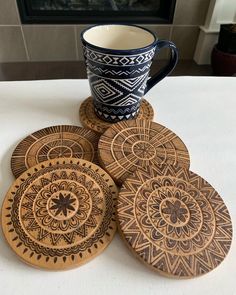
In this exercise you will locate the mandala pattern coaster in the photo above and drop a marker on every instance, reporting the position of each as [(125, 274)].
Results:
[(90, 120), (128, 145), (63, 141), (174, 221), (61, 213)]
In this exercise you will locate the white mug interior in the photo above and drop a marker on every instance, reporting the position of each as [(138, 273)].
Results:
[(120, 37)]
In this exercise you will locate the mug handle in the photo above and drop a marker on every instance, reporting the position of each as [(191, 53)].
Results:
[(168, 68)]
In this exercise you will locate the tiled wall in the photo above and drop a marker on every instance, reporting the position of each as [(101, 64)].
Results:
[(62, 42)]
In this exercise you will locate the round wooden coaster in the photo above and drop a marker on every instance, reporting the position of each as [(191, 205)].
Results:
[(127, 145), (174, 221), (60, 213), (89, 119), (54, 142)]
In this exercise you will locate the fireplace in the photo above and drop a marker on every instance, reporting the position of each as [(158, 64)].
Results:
[(96, 11)]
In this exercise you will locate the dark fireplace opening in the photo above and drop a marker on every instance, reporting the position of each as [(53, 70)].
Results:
[(96, 11)]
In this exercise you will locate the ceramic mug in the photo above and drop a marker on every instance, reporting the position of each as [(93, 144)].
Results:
[(118, 60)]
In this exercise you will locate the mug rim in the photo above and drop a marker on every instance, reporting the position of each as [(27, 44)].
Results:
[(118, 50)]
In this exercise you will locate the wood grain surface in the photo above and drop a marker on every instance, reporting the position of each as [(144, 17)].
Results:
[(127, 145), (54, 142), (174, 221), (60, 213)]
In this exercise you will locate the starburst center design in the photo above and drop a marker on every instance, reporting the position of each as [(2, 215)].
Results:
[(63, 204), (144, 150), (59, 151), (175, 211)]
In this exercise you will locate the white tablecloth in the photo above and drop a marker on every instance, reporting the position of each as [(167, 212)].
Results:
[(201, 110)]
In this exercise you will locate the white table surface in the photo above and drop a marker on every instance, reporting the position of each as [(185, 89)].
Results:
[(201, 110)]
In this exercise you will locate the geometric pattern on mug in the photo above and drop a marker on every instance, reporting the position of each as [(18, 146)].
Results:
[(118, 91), (104, 91), (120, 117), (131, 84), (128, 100), (130, 109), (143, 87), (119, 60), (118, 72), (128, 84)]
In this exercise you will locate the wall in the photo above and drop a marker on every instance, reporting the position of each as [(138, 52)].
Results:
[(219, 12), (62, 42)]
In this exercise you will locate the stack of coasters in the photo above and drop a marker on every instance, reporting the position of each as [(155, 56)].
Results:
[(63, 208), (171, 218), (60, 211)]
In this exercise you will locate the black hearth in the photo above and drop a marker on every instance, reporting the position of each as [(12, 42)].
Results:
[(96, 11)]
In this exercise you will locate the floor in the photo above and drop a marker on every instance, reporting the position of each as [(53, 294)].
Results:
[(76, 70)]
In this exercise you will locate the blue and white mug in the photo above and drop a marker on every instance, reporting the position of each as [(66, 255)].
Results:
[(118, 59)]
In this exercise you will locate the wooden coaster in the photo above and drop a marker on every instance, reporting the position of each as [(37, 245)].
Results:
[(54, 142), (174, 221), (89, 119), (127, 145), (60, 213)]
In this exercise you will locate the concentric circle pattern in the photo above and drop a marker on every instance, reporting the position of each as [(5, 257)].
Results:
[(60, 213), (174, 221), (63, 141), (129, 145), (90, 120)]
